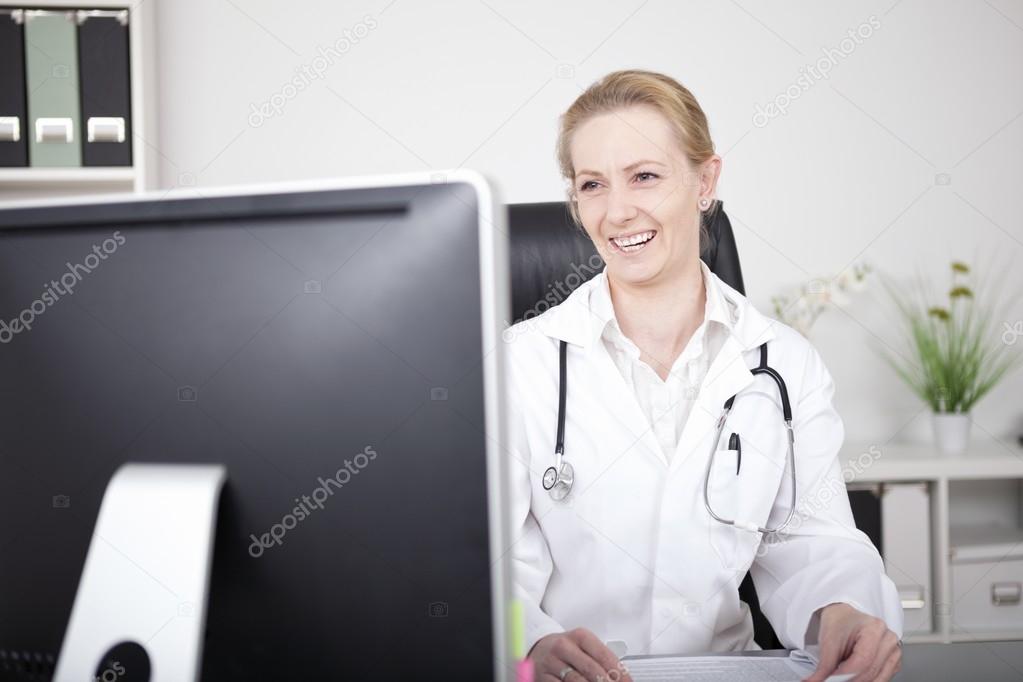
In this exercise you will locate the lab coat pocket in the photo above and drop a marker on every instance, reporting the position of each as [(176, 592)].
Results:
[(722, 497), (743, 495)]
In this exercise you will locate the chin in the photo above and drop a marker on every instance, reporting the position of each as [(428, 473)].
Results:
[(637, 272)]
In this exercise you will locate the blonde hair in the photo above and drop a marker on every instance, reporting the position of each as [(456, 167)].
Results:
[(622, 89)]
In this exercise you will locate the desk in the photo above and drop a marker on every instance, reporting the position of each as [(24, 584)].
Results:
[(962, 661)]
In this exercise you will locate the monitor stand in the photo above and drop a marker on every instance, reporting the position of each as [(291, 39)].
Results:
[(146, 576)]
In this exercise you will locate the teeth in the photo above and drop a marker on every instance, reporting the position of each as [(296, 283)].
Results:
[(634, 239)]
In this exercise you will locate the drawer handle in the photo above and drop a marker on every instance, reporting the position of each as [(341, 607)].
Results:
[(912, 596), (59, 130), (10, 129), (1006, 594)]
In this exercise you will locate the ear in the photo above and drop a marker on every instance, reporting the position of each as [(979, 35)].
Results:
[(710, 171)]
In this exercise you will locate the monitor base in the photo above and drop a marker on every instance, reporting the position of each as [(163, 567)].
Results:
[(146, 576)]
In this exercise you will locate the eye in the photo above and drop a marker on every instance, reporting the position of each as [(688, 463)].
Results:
[(641, 174), (586, 185)]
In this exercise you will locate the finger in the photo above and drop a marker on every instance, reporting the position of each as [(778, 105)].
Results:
[(888, 643), (597, 650), (863, 654), (568, 651), (552, 666), (891, 666), (830, 655)]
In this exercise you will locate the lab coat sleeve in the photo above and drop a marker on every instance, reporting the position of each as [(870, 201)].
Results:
[(821, 557), (532, 564)]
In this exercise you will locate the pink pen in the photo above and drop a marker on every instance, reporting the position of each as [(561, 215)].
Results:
[(524, 670)]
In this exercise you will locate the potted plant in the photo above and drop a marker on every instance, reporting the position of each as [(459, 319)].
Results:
[(956, 354)]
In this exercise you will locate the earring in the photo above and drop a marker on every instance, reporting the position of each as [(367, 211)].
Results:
[(704, 203)]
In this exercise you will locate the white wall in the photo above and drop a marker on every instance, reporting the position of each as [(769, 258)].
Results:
[(849, 172)]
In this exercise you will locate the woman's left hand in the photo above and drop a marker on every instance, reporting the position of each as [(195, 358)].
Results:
[(853, 642)]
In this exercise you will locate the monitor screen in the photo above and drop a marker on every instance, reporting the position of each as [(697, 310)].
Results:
[(326, 346)]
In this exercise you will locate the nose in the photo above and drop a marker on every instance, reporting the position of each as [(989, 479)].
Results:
[(620, 207)]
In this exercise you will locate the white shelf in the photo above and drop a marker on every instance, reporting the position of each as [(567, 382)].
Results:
[(920, 462), (19, 178), (980, 543)]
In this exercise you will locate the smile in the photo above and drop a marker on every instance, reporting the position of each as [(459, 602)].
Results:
[(633, 243)]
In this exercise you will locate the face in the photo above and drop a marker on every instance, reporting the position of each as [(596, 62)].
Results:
[(638, 195)]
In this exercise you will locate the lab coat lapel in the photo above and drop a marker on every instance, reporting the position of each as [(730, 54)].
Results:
[(729, 374)]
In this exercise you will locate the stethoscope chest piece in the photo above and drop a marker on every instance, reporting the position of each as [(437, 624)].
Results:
[(558, 479)]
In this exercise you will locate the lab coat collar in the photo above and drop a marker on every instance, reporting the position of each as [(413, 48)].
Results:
[(580, 319), (715, 310), (576, 322)]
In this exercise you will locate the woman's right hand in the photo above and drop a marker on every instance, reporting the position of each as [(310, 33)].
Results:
[(582, 651)]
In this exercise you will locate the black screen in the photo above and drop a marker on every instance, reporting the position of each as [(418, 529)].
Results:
[(290, 337)]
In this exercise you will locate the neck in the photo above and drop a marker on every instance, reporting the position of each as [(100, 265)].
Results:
[(661, 318)]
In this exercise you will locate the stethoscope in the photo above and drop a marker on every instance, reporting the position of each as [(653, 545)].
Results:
[(558, 479)]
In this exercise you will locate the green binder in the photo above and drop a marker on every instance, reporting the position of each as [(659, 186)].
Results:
[(51, 68)]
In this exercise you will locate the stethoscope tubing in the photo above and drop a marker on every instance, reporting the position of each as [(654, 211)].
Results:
[(558, 479)]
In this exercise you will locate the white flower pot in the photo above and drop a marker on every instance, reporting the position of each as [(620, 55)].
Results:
[(951, 431)]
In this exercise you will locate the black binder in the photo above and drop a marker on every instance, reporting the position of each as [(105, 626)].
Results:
[(104, 70), (12, 88)]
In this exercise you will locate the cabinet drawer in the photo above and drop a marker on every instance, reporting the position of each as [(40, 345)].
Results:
[(987, 595)]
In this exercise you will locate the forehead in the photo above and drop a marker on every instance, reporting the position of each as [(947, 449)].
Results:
[(612, 140)]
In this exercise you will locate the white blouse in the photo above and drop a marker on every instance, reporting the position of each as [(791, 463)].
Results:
[(666, 403)]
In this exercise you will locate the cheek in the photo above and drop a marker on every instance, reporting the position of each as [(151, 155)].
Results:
[(676, 220), (591, 212)]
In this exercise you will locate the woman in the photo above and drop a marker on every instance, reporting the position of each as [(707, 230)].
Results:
[(655, 345)]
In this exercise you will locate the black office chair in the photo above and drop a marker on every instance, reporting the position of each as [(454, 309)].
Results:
[(546, 246)]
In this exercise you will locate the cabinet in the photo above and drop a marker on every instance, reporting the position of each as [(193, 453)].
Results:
[(28, 182), (973, 542)]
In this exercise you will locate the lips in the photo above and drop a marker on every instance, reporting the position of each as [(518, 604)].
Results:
[(633, 242)]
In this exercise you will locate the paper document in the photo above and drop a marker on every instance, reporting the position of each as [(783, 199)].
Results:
[(798, 665)]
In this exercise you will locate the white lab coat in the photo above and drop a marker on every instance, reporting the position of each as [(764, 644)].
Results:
[(632, 554)]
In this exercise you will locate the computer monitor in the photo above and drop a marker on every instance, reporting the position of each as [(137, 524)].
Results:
[(335, 345)]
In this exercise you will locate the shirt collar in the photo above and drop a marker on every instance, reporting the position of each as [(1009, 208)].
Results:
[(602, 309)]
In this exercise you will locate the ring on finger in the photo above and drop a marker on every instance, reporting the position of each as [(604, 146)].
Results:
[(564, 672)]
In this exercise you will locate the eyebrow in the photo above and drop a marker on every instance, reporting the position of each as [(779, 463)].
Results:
[(628, 168)]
